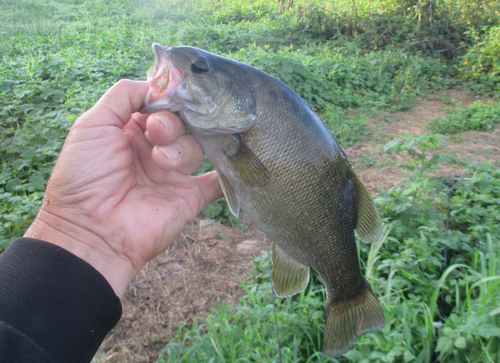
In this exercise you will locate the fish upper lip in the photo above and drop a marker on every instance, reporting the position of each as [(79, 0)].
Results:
[(156, 47), (164, 77)]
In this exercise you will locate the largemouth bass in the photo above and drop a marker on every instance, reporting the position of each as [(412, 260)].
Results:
[(278, 162)]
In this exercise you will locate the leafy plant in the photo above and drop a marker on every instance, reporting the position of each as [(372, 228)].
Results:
[(348, 127), (219, 210), (418, 148), (473, 332), (477, 116), (480, 67)]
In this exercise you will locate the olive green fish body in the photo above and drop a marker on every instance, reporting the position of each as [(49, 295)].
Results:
[(279, 162), (307, 206)]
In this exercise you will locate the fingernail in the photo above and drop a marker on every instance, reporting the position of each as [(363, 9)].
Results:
[(164, 121), (172, 152), (146, 135)]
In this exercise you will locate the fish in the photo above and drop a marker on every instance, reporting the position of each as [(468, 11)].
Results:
[(278, 162)]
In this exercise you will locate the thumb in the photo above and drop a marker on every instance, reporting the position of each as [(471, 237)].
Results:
[(116, 106), (210, 188)]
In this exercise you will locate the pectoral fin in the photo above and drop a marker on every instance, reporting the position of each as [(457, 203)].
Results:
[(368, 223), (251, 169), (289, 275), (231, 198)]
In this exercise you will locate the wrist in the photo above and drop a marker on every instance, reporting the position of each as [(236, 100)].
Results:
[(88, 246)]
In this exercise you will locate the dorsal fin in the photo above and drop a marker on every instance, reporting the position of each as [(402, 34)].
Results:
[(367, 221)]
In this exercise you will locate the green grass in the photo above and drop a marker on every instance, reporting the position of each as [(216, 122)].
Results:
[(246, 332)]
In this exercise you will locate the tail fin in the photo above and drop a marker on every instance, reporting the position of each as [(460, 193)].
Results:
[(345, 320)]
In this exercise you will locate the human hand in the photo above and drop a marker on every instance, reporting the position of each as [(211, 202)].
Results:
[(113, 199)]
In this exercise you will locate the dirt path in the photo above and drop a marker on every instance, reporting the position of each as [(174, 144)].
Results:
[(183, 282), (379, 171), (200, 267)]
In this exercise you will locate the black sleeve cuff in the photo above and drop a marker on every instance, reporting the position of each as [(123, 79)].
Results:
[(54, 299)]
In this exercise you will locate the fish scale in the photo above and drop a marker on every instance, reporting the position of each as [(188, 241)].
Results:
[(278, 161)]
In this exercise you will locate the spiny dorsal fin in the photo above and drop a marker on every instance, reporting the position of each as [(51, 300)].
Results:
[(251, 169), (289, 275), (368, 223), (232, 200)]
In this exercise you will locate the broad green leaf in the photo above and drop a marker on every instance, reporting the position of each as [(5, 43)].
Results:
[(444, 344), (408, 356), (487, 331), (392, 144), (460, 343), (354, 355)]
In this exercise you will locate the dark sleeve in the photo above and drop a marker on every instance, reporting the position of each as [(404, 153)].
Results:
[(54, 307)]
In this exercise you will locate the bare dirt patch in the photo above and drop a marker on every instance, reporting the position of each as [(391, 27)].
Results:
[(200, 267), (185, 281), (378, 170)]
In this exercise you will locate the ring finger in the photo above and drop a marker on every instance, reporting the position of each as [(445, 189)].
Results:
[(184, 155)]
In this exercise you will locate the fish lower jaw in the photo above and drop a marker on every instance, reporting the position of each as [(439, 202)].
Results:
[(152, 104)]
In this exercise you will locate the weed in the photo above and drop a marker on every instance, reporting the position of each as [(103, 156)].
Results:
[(477, 116), (418, 148), (447, 99), (480, 67)]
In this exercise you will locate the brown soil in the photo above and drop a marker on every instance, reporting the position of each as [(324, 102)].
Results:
[(183, 282), (379, 171), (200, 267)]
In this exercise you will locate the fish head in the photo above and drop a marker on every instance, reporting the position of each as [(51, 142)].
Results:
[(207, 90)]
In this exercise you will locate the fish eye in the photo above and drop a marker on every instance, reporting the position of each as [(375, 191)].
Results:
[(200, 65)]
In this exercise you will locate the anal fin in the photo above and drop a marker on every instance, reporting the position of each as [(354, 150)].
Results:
[(289, 275), (347, 319)]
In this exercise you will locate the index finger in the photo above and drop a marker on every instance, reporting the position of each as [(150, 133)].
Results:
[(117, 105)]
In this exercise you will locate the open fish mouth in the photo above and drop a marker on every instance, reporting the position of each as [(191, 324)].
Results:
[(164, 77)]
